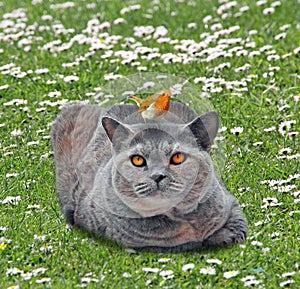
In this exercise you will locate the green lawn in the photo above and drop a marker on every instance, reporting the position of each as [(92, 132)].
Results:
[(243, 56)]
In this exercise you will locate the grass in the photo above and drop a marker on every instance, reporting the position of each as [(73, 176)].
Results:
[(33, 233)]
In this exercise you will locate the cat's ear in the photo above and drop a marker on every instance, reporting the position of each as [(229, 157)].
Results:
[(205, 129), (115, 130)]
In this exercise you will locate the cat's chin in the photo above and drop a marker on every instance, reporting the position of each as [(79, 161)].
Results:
[(156, 204)]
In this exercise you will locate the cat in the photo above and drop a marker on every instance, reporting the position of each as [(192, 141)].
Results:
[(148, 185)]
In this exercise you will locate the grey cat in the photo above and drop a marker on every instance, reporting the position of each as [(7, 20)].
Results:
[(149, 185)]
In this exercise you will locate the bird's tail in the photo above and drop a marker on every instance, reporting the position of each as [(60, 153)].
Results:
[(137, 100)]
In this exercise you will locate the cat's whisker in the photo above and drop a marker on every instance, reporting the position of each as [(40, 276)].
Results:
[(140, 189), (176, 184), (141, 186), (176, 187), (143, 190), (176, 191)]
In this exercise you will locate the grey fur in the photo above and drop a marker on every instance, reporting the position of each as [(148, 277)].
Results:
[(160, 206)]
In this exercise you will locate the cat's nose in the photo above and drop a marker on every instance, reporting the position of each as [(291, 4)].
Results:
[(157, 177)]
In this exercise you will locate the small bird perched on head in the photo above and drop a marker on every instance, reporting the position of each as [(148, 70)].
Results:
[(154, 106)]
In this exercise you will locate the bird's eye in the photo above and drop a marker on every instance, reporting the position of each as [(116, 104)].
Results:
[(138, 161), (177, 158)]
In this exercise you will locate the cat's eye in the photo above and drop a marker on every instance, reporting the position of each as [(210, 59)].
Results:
[(177, 159), (138, 161)]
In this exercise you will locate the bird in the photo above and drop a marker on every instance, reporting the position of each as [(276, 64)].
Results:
[(154, 106)]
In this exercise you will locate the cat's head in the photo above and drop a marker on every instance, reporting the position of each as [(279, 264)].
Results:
[(162, 165)]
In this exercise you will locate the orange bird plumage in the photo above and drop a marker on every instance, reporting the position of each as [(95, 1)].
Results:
[(154, 106)]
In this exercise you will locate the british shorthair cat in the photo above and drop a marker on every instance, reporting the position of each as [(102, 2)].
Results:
[(149, 185)]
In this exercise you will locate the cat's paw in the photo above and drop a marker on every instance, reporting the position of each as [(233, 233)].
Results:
[(69, 212), (231, 233)]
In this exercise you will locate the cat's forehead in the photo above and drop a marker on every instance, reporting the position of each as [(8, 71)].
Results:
[(155, 135), (148, 146), (155, 139)]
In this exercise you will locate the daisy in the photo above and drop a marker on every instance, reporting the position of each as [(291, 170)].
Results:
[(164, 260), (119, 21), (285, 126), (160, 31), (256, 243), (11, 200), (26, 276), (150, 270), (54, 94), (276, 4), (288, 274), (43, 280), (208, 271), (207, 19), (237, 130), (14, 287), (261, 2), (280, 36), (188, 267), (71, 78), (214, 261), (39, 237), (46, 17), (3, 229), (285, 283), (230, 274), (42, 71), (166, 273), (16, 132), (192, 25), (33, 143), (46, 249), (268, 11), (13, 271), (3, 87), (250, 281)]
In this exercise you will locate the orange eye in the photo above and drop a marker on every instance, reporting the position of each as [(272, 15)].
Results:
[(177, 159), (138, 161)]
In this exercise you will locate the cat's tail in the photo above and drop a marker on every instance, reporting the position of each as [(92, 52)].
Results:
[(71, 133), (62, 130), (63, 142)]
